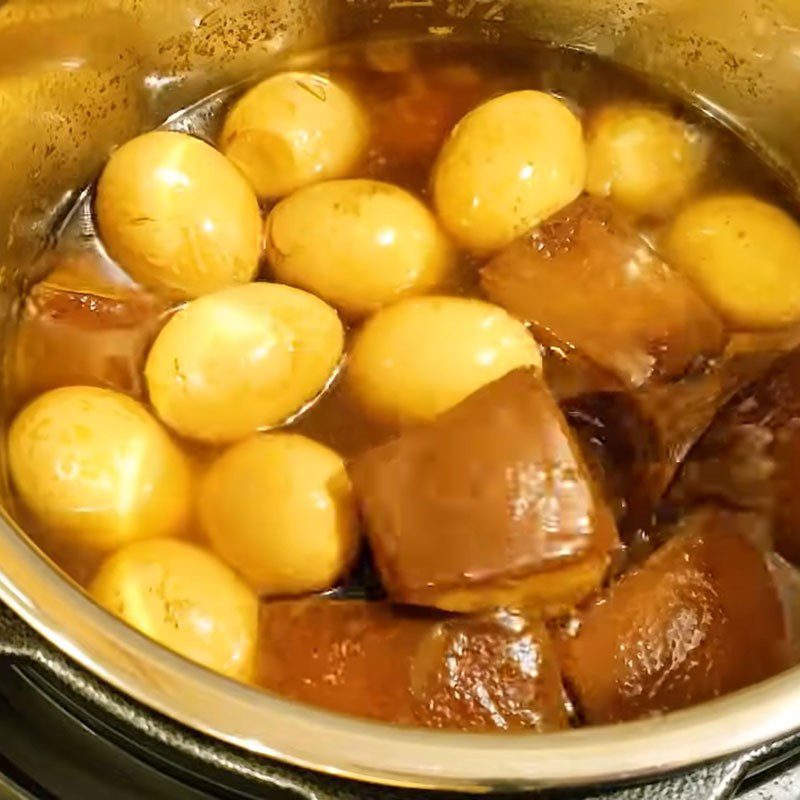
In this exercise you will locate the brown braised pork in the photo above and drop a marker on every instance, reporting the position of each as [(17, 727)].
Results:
[(75, 329), (750, 457), (492, 504), (495, 672), (700, 618), (587, 278)]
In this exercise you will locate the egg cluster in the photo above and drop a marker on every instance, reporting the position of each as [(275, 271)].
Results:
[(362, 286)]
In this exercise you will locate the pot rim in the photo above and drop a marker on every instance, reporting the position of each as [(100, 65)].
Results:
[(264, 724)]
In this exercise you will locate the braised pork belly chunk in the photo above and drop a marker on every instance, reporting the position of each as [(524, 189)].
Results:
[(76, 328), (638, 439), (750, 455), (491, 672), (701, 617), (492, 504), (586, 277)]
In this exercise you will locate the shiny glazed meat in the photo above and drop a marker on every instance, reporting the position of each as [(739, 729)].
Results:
[(496, 672), (76, 330), (700, 618), (750, 456), (638, 439), (586, 277), (491, 504)]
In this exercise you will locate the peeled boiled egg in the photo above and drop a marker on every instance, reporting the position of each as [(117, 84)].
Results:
[(506, 166), (177, 215), (97, 468), (742, 253), (243, 359), (359, 244), (417, 358), (643, 158), (294, 129), (184, 598), (279, 509)]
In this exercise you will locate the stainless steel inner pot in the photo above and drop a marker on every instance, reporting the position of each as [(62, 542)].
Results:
[(78, 77)]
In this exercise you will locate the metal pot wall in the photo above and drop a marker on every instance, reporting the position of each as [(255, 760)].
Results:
[(80, 76)]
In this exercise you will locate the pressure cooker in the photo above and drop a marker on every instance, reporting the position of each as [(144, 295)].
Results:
[(78, 77)]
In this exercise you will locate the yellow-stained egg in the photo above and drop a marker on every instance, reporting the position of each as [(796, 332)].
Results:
[(359, 244), (279, 509), (294, 129), (506, 166), (177, 215), (243, 359), (643, 158), (186, 599), (421, 356), (744, 255), (96, 468)]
